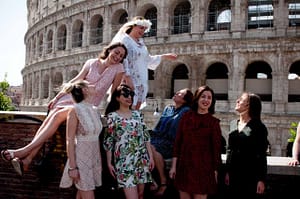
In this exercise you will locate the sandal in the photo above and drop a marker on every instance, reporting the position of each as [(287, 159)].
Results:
[(161, 189), (5, 153), (18, 166)]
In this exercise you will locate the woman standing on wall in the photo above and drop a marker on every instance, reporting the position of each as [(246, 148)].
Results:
[(138, 60)]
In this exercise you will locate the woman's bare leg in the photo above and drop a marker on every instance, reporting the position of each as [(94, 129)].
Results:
[(160, 166), (47, 129), (131, 193)]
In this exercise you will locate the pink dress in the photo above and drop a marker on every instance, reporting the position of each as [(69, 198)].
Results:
[(87, 149), (101, 81)]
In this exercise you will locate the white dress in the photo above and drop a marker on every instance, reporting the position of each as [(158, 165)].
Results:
[(87, 150), (137, 63)]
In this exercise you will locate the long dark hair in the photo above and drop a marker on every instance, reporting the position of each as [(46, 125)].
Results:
[(255, 106), (197, 95), (106, 50), (114, 104)]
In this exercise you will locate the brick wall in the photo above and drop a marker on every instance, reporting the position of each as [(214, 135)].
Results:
[(42, 180)]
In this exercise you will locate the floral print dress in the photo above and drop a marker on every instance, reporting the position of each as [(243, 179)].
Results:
[(126, 138)]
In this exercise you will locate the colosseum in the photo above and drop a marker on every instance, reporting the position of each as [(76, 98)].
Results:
[(229, 45)]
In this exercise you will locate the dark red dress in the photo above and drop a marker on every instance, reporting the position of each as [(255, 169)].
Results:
[(197, 148)]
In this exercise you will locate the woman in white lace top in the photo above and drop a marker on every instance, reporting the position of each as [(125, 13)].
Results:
[(83, 167)]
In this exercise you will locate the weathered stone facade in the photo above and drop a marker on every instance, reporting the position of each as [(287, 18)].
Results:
[(242, 51)]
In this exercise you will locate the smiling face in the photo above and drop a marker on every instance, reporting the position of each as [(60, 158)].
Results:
[(126, 97), (137, 31), (116, 55), (178, 98), (204, 102)]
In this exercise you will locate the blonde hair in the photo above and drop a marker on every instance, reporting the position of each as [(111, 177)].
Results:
[(75, 89)]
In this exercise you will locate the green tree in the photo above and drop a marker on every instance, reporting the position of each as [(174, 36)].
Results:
[(5, 101)]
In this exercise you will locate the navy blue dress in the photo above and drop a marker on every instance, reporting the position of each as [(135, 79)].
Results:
[(164, 133)]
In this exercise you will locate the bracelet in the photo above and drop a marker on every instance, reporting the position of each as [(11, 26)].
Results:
[(72, 169)]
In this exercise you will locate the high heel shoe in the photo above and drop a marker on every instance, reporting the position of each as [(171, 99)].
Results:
[(18, 166)]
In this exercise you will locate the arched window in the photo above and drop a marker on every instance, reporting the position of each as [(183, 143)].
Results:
[(294, 82), (45, 86), (219, 15), (118, 21), (96, 31), (259, 80), (217, 79), (151, 14), (40, 47), (49, 41), (77, 34), (182, 18), (179, 79), (62, 37)]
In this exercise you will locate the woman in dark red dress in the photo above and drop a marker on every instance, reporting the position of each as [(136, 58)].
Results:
[(197, 154)]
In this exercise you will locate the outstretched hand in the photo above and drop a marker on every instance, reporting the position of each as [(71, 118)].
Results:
[(170, 56)]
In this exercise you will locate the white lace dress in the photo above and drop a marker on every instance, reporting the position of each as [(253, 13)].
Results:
[(87, 150)]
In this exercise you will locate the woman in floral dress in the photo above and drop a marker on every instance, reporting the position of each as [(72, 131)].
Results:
[(127, 144)]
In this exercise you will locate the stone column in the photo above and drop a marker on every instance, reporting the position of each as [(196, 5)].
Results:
[(238, 18), (281, 20), (86, 29)]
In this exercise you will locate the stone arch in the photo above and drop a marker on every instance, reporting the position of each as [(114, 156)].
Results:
[(57, 81), (180, 78), (77, 33), (215, 20), (117, 20), (181, 18), (40, 44), (62, 37), (45, 86), (258, 79), (150, 13), (73, 74), (96, 30), (49, 42), (217, 79), (294, 82)]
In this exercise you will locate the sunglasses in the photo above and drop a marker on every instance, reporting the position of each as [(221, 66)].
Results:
[(126, 93)]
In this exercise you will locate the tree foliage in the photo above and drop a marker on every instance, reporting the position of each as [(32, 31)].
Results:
[(5, 100)]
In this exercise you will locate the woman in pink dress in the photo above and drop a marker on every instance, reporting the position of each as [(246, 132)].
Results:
[(102, 72)]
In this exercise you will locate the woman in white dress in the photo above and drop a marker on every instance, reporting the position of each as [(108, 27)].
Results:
[(138, 60), (83, 167)]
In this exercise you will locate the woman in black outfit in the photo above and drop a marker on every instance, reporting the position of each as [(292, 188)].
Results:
[(246, 163)]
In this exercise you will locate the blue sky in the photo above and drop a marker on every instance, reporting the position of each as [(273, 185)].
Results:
[(13, 22)]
